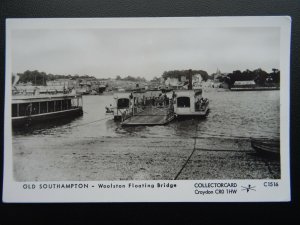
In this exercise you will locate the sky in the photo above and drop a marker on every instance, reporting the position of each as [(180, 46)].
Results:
[(106, 53)]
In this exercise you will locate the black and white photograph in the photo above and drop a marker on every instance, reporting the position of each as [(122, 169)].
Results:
[(148, 104)]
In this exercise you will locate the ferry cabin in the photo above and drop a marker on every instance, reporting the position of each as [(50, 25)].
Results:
[(29, 109), (190, 103), (121, 105)]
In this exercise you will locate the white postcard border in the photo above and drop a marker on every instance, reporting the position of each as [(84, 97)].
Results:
[(185, 191)]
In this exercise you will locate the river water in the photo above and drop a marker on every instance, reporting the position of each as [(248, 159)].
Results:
[(232, 115)]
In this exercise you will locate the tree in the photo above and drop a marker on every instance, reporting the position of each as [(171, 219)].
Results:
[(41, 78), (36, 77), (260, 76), (275, 75), (155, 79)]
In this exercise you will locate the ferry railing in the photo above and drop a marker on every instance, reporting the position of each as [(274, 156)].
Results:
[(152, 110)]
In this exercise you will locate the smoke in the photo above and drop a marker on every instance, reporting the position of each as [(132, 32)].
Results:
[(15, 79)]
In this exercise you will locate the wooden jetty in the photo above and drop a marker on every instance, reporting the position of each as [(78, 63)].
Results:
[(150, 115)]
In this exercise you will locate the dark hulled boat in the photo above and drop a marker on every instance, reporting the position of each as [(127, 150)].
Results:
[(27, 110), (267, 147)]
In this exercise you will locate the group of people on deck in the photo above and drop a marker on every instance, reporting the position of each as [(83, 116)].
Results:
[(200, 103), (161, 100)]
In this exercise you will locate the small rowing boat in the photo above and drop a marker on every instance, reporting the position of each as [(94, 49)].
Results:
[(265, 146)]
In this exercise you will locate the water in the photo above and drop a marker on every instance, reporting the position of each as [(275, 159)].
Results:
[(232, 114)]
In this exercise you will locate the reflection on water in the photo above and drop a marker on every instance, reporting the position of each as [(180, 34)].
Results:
[(47, 127), (232, 114)]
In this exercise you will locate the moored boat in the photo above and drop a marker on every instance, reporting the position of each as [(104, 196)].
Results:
[(265, 146), (27, 110)]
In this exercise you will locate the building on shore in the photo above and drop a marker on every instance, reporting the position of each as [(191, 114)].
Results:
[(244, 84), (80, 85), (182, 82), (67, 83), (125, 85)]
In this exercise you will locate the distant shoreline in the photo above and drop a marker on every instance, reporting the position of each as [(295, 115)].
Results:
[(256, 89)]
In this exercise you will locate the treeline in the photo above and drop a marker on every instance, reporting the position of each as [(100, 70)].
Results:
[(260, 77), (179, 73), (130, 78), (41, 78)]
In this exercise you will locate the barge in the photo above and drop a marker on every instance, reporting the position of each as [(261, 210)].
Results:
[(27, 110)]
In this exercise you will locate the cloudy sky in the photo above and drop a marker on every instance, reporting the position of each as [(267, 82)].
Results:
[(148, 52)]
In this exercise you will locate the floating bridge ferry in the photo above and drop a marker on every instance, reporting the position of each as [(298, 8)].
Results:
[(157, 107), (29, 109)]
